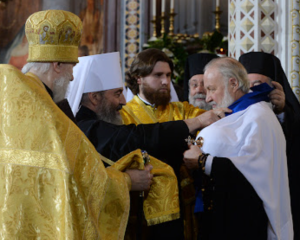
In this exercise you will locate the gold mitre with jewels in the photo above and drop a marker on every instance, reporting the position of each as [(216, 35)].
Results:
[(53, 36)]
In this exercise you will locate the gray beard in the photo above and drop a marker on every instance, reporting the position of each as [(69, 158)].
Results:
[(107, 113), (200, 104), (226, 101), (116, 119), (60, 87)]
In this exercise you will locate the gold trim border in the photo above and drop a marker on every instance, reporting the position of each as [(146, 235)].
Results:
[(295, 47), (53, 53)]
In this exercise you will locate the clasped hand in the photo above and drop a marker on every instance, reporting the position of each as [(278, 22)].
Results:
[(141, 180), (277, 97), (190, 157)]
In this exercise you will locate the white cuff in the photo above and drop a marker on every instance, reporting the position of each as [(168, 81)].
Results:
[(208, 164), (281, 117)]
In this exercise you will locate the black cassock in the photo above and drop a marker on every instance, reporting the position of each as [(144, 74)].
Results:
[(165, 141), (160, 140), (236, 211)]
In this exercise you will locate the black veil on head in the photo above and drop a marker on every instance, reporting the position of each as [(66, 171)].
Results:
[(194, 65), (270, 66)]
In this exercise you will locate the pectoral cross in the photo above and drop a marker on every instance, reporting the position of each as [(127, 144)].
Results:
[(199, 142), (146, 157)]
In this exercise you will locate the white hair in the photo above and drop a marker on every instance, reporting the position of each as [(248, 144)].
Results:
[(230, 68), (60, 87), (39, 67), (200, 104)]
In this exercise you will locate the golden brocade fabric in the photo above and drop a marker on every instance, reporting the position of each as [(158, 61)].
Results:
[(137, 112), (53, 184), (53, 36), (161, 202)]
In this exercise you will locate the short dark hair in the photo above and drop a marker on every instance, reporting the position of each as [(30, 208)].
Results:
[(143, 65)]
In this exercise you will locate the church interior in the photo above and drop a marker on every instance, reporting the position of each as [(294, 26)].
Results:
[(179, 28), (237, 150)]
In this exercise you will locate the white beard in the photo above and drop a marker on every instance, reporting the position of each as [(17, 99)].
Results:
[(200, 104), (60, 87), (226, 101)]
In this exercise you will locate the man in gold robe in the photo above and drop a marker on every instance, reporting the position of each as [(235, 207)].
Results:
[(53, 182), (149, 79)]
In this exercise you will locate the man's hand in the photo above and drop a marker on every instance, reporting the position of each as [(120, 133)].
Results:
[(212, 116), (277, 97), (140, 179), (190, 157)]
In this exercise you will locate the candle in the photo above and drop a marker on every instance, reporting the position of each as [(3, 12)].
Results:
[(163, 4), (154, 8), (217, 3), (172, 4)]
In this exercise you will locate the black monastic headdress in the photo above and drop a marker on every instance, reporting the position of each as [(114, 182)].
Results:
[(270, 66), (194, 65)]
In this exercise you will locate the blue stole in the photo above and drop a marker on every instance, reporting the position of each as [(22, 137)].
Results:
[(259, 93)]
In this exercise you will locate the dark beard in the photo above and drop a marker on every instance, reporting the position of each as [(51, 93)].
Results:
[(107, 113), (156, 97)]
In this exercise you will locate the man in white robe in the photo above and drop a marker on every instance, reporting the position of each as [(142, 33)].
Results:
[(244, 156)]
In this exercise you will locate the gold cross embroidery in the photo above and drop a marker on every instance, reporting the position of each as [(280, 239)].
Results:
[(199, 142)]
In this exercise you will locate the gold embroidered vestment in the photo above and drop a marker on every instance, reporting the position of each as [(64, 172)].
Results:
[(53, 184), (137, 112)]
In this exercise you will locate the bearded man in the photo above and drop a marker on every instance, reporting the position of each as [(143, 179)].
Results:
[(53, 182), (194, 91), (244, 156), (55, 76), (96, 97), (149, 79)]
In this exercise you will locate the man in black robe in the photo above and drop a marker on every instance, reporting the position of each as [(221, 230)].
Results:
[(114, 141), (100, 98), (244, 157), (265, 67), (98, 117)]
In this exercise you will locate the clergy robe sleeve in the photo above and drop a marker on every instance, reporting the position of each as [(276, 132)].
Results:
[(291, 129), (114, 141), (233, 194)]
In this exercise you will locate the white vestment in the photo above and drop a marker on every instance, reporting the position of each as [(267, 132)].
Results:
[(254, 141)]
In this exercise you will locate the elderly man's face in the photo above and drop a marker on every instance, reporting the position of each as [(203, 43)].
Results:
[(197, 93), (217, 93), (196, 85), (61, 83), (156, 86), (257, 79), (109, 105)]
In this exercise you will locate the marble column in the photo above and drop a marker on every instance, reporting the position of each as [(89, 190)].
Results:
[(271, 26), (131, 31), (294, 49), (252, 26)]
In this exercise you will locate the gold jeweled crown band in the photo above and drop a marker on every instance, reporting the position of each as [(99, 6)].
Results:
[(53, 36)]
